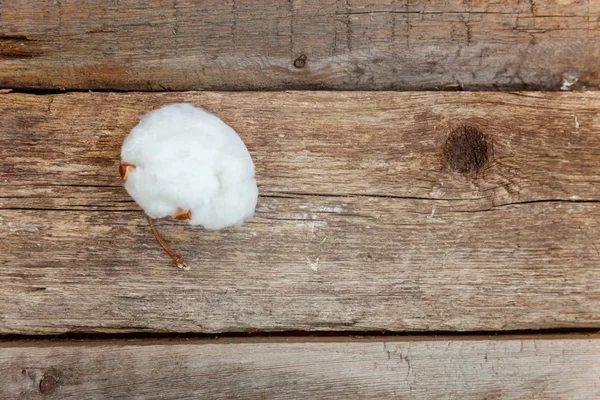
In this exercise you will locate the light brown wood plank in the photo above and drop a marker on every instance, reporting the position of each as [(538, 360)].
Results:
[(383, 369), (362, 224), (259, 44)]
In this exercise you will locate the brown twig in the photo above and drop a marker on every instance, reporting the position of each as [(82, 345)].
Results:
[(178, 260)]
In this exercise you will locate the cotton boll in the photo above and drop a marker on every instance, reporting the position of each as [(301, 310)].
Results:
[(184, 162)]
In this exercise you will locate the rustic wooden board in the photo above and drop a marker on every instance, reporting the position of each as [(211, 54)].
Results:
[(366, 369), (275, 44), (364, 223)]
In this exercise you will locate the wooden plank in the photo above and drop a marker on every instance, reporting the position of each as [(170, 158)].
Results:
[(279, 44), (381, 369), (365, 221)]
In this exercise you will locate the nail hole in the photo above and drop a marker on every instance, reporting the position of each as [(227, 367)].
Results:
[(300, 62), (467, 150)]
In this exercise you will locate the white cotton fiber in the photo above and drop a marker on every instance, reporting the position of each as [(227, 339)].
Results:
[(184, 158)]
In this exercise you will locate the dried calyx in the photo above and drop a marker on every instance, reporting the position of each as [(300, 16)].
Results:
[(124, 169)]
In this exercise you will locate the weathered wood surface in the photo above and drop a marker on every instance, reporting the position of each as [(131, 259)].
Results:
[(275, 44), (394, 369), (362, 223)]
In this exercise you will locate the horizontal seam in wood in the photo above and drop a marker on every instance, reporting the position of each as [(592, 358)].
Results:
[(316, 335)]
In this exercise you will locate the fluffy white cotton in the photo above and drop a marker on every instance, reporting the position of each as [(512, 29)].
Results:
[(188, 159)]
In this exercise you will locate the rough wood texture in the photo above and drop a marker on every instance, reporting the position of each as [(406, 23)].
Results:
[(274, 44), (365, 222), (395, 369)]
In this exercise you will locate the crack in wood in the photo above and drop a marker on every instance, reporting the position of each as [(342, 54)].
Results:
[(95, 208), (16, 38)]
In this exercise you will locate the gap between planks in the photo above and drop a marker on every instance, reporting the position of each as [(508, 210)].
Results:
[(138, 339)]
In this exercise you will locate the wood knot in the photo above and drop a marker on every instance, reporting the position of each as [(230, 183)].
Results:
[(48, 384), (467, 150), (300, 62)]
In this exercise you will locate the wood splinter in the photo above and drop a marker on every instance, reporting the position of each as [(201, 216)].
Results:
[(178, 260)]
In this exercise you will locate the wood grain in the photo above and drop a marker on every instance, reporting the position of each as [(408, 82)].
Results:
[(384, 369), (362, 223), (339, 44)]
